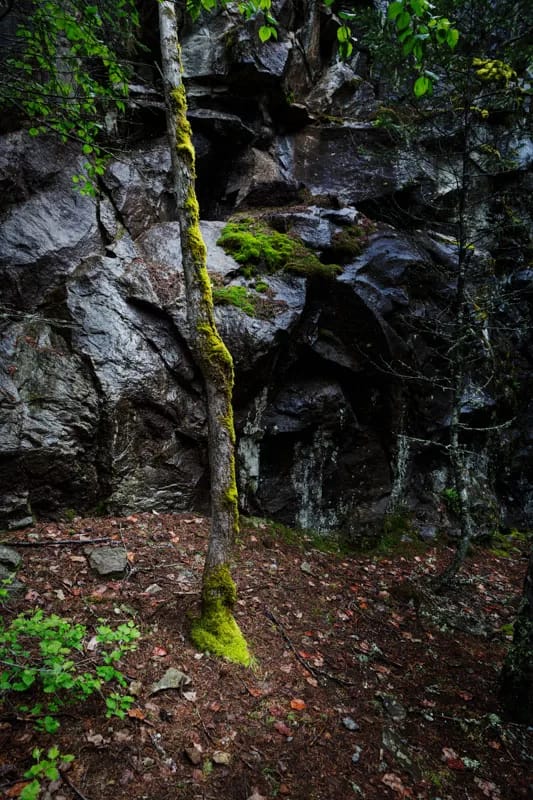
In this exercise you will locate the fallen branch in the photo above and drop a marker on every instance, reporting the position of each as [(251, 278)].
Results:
[(305, 664), (58, 543), (72, 787)]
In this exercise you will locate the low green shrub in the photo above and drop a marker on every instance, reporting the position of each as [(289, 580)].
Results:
[(44, 659)]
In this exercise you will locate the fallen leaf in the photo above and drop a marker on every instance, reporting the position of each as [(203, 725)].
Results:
[(221, 758), (488, 788), (159, 652), (136, 713), (14, 791), (280, 727), (451, 759), (95, 738), (194, 754), (122, 736), (254, 691), (190, 696), (172, 679), (256, 796), (215, 706), (394, 782), (297, 705)]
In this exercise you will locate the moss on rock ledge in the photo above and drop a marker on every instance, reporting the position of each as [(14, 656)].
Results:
[(259, 248), (216, 630)]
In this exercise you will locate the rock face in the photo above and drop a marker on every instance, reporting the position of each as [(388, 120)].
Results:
[(341, 399)]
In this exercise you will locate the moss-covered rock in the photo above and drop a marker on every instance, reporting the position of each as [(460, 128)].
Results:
[(237, 296), (258, 248)]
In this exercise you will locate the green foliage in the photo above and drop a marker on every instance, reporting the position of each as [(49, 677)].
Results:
[(345, 39), (256, 247), (417, 29), (510, 544), (42, 657), (450, 497), (68, 72), (45, 767)]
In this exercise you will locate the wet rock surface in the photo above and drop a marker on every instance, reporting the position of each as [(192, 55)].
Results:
[(101, 405)]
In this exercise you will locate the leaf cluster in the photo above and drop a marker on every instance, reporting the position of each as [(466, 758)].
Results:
[(68, 69), (45, 657)]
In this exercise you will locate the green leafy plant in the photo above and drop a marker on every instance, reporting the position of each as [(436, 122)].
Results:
[(450, 497), (417, 28), (68, 71), (46, 767), (42, 658)]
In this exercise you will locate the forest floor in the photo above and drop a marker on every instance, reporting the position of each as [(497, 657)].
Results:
[(364, 683)]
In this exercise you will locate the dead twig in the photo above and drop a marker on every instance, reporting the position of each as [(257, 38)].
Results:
[(202, 723), (57, 543), (72, 787), (315, 671)]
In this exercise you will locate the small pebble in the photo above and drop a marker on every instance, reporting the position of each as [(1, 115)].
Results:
[(350, 724), (356, 755)]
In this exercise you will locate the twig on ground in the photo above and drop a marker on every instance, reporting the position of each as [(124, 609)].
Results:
[(305, 664), (57, 543), (202, 723), (72, 787), (167, 760)]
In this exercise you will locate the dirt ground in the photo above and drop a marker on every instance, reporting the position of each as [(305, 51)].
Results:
[(364, 683)]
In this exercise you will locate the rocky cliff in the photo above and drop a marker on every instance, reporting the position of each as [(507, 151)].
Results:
[(342, 399)]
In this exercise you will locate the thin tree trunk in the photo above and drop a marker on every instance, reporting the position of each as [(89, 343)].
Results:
[(459, 356), (516, 680), (216, 630)]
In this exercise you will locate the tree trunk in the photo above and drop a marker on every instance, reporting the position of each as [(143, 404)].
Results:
[(516, 680), (216, 629), (459, 355)]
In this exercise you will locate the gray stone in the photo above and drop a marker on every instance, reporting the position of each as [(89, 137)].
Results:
[(10, 558), (394, 709), (109, 562), (172, 679), (12, 585), (350, 724), (428, 533)]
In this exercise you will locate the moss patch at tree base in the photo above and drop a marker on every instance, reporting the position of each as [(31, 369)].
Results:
[(216, 630)]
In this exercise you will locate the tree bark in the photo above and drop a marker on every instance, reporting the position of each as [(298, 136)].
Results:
[(211, 355), (516, 680)]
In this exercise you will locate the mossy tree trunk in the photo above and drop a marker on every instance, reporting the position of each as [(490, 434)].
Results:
[(516, 681), (216, 630)]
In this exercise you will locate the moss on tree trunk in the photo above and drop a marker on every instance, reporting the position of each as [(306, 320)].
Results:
[(216, 629)]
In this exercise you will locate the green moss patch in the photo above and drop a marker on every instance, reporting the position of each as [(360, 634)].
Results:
[(237, 296), (258, 248), (216, 631)]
